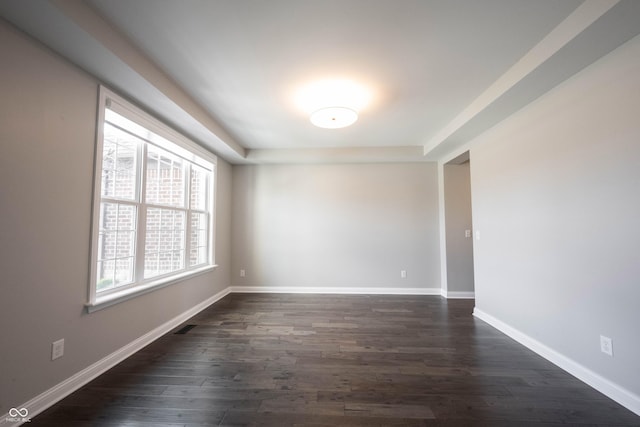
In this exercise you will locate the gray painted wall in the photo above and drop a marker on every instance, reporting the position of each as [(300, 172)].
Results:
[(556, 198), (457, 207), (352, 225), (47, 139)]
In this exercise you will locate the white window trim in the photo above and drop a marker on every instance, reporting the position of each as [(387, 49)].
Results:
[(123, 107)]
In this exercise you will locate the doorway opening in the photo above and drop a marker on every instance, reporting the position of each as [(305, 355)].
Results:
[(458, 227)]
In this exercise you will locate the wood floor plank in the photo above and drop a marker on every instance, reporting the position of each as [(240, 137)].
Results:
[(336, 360)]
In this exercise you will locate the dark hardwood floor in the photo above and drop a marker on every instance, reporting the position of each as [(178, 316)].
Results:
[(336, 360)]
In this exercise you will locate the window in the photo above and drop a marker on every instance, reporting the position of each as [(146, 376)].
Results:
[(153, 205)]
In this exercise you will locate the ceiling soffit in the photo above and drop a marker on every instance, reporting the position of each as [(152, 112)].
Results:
[(75, 30)]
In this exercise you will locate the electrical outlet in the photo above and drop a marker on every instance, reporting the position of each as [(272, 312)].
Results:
[(57, 349), (242, 273), (467, 233), (606, 345), (403, 274)]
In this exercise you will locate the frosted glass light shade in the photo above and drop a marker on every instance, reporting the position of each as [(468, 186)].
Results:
[(334, 117)]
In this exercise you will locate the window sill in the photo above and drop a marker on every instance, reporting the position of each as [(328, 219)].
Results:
[(118, 297)]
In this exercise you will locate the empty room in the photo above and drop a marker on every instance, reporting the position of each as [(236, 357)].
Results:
[(326, 213)]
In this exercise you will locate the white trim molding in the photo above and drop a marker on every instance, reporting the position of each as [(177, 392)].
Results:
[(442, 232), (334, 290), (458, 295), (610, 389), (58, 392)]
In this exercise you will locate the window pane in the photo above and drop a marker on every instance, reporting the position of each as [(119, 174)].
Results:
[(119, 217), (202, 255), (198, 256), (151, 264), (116, 216), (114, 272), (165, 241), (177, 260), (199, 186), (106, 271), (119, 152), (107, 246), (153, 229), (165, 178), (125, 244), (124, 271), (116, 245), (199, 239)]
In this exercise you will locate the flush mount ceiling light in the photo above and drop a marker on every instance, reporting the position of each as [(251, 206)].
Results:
[(334, 117), (333, 104)]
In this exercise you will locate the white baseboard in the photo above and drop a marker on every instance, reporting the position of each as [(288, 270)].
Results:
[(621, 395), (58, 392), (334, 290), (458, 295)]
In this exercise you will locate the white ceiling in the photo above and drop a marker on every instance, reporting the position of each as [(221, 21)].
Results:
[(441, 71), (425, 60)]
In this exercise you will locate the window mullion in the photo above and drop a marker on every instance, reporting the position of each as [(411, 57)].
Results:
[(119, 201), (141, 228)]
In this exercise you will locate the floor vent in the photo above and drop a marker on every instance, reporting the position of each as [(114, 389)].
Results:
[(184, 329)]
